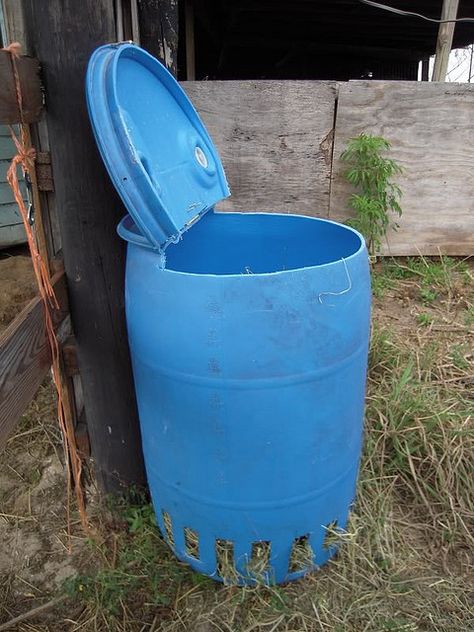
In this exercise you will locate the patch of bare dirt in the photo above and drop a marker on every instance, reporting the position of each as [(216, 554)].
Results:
[(36, 553), (17, 285)]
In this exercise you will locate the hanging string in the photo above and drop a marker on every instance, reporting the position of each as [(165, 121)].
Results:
[(341, 292), (25, 157)]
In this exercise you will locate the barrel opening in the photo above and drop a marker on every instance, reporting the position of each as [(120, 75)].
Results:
[(168, 528), (254, 243), (191, 543), (225, 561), (260, 558), (302, 554), (259, 243), (333, 535)]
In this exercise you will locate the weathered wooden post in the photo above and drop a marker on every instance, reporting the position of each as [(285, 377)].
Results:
[(445, 39), (158, 26), (63, 34)]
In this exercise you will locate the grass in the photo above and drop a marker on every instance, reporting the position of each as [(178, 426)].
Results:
[(405, 561), (424, 319), (432, 270), (302, 555), (469, 316), (135, 564), (431, 275), (422, 435)]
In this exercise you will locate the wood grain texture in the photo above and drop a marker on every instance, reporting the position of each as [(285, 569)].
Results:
[(445, 39), (274, 139), (44, 172), (158, 25), (63, 35), (431, 128), (28, 72), (25, 357)]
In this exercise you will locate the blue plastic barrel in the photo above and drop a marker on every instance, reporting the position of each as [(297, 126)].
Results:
[(249, 344), (248, 335)]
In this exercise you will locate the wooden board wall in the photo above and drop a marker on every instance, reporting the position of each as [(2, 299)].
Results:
[(431, 128), (11, 224), (274, 139), (276, 144), (32, 96)]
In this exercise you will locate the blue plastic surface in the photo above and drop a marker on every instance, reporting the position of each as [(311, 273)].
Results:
[(153, 143), (249, 353), (248, 338)]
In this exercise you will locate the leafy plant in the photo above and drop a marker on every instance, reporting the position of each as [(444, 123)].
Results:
[(371, 173)]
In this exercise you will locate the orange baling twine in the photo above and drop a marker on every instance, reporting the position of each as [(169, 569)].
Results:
[(25, 157)]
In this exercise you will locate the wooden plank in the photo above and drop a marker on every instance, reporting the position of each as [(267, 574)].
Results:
[(11, 234), (274, 139), (4, 166), (39, 136), (38, 225), (12, 231), (6, 194), (10, 214), (430, 128), (69, 350), (28, 72), (25, 357), (158, 26), (44, 173), (445, 39), (14, 24), (7, 148), (82, 440), (190, 43), (89, 210)]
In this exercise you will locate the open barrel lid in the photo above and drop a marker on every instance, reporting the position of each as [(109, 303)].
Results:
[(156, 149)]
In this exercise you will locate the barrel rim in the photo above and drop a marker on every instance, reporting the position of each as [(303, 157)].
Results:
[(139, 240)]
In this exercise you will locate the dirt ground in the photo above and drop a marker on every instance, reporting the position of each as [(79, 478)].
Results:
[(17, 283), (34, 556), (431, 583)]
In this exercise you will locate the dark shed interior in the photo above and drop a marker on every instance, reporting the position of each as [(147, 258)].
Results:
[(314, 39)]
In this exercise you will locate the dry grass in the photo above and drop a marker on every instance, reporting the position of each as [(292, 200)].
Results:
[(302, 555), (226, 563), (259, 562), (34, 558), (406, 561)]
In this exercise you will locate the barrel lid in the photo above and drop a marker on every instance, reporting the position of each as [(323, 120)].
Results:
[(157, 151)]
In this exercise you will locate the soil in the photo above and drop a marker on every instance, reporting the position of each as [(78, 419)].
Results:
[(17, 284)]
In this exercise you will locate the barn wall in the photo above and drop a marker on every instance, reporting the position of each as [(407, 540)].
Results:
[(11, 224), (275, 141), (280, 143)]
